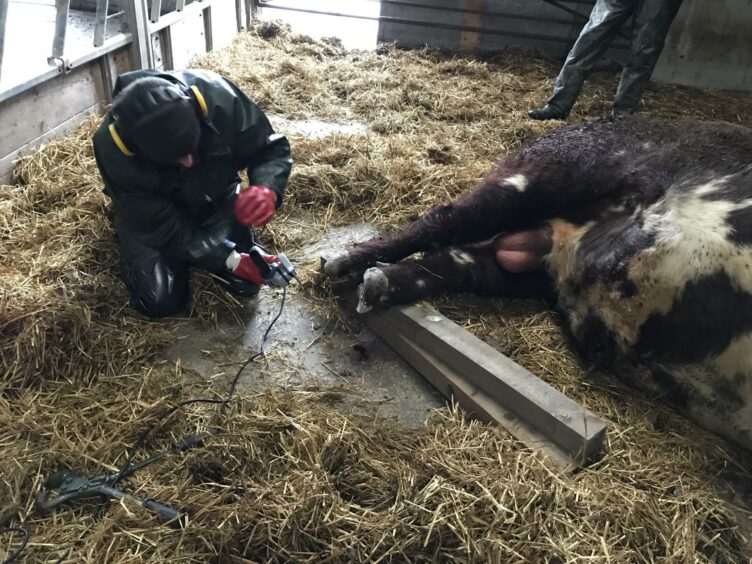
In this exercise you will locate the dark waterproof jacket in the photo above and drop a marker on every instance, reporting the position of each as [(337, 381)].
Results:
[(188, 214)]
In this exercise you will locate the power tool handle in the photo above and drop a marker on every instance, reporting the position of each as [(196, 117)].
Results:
[(260, 263)]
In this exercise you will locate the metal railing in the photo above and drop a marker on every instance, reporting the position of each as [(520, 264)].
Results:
[(3, 25), (142, 23), (59, 60)]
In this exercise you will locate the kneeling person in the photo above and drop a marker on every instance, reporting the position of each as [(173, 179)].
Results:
[(169, 153)]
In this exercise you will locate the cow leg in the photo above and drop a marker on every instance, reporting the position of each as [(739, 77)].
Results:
[(524, 190), (472, 268)]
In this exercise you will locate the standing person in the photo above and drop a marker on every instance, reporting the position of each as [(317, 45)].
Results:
[(652, 20), (169, 152)]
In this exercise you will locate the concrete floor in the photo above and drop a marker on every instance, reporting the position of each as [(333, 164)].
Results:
[(305, 349)]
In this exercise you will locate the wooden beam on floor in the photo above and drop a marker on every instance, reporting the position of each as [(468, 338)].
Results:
[(489, 385)]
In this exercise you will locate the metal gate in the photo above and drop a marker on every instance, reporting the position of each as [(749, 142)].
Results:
[(59, 58), (90, 30)]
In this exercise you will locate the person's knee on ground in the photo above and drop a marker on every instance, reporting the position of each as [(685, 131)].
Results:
[(159, 305), (523, 251), (158, 286)]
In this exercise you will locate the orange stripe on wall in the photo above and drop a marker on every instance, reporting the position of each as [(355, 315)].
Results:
[(470, 40)]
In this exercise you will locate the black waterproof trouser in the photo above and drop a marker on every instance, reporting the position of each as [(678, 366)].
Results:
[(652, 20), (158, 284)]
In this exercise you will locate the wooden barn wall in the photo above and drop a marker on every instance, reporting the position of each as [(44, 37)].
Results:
[(53, 108)]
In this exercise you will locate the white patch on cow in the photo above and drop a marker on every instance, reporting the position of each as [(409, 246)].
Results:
[(420, 283), (519, 181), (362, 307), (711, 187), (693, 240), (461, 257), (737, 358)]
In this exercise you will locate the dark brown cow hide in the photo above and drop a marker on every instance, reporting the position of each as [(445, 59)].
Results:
[(651, 229)]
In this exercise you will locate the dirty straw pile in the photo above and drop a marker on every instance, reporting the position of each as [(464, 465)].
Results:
[(292, 478)]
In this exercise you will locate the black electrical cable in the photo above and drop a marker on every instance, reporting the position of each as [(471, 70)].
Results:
[(127, 464), (19, 550)]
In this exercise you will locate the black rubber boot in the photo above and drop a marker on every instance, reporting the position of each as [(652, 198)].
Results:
[(547, 112), (651, 25)]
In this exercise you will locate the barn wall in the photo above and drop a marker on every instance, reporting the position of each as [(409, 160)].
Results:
[(709, 45), (53, 108), (48, 107), (530, 25)]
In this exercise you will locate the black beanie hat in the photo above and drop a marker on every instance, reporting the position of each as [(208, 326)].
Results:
[(158, 119)]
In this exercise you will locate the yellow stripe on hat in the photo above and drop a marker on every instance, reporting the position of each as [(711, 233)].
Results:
[(118, 141), (201, 101)]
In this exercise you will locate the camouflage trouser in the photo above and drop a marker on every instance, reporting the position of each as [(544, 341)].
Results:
[(651, 20)]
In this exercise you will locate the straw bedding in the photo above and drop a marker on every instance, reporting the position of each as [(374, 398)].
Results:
[(297, 475)]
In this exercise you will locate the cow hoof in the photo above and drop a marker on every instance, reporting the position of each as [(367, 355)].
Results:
[(334, 265), (373, 290)]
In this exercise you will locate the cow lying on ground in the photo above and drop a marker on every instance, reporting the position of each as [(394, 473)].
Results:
[(642, 232)]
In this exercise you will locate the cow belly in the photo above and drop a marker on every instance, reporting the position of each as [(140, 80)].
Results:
[(664, 297), (701, 391), (671, 282)]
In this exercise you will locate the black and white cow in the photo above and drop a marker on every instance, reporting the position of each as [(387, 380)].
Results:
[(640, 229)]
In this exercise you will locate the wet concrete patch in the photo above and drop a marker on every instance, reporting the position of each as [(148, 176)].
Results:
[(304, 348), (338, 239)]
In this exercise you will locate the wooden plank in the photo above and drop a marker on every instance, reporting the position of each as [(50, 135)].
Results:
[(48, 105), (8, 162), (573, 429), (473, 400)]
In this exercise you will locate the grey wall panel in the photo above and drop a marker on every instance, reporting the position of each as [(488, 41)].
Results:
[(710, 45), (411, 36)]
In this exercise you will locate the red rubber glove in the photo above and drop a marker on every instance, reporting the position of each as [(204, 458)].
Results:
[(247, 270), (255, 205)]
